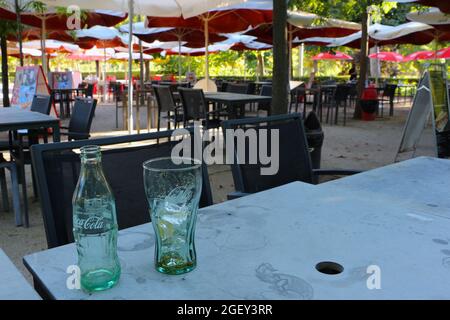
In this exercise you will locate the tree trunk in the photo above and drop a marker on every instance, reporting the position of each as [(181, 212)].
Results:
[(19, 31), (147, 70), (280, 81), (260, 70), (5, 80), (363, 63)]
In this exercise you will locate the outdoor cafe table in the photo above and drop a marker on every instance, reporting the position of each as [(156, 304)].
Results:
[(267, 245), (15, 119), (13, 285), (65, 95), (232, 100)]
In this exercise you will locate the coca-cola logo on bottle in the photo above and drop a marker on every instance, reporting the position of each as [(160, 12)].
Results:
[(90, 224)]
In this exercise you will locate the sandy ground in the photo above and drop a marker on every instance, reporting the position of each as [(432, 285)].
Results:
[(359, 145)]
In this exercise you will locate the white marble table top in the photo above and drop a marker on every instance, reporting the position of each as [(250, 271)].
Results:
[(13, 285), (267, 245)]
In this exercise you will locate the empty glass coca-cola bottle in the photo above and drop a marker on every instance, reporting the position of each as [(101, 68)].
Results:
[(95, 224)]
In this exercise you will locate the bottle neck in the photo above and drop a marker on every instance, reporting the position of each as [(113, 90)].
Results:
[(91, 157)]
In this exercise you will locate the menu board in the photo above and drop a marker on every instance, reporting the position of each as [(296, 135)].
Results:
[(438, 88), (28, 82), (431, 98), (65, 80)]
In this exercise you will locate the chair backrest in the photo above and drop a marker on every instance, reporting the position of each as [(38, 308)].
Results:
[(266, 91), (81, 119), (293, 154), (251, 88), (389, 90), (223, 86), (41, 104), (57, 167), (194, 104), (342, 92), (164, 98), (89, 90), (237, 88)]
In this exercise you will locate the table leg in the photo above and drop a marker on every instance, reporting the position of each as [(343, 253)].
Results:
[(56, 133), (62, 114), (138, 117)]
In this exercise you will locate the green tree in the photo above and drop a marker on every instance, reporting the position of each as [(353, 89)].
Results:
[(352, 10), (6, 28)]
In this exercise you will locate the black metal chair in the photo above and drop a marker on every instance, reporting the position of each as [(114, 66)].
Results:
[(266, 91), (41, 104), (89, 93), (195, 108), (80, 123), (11, 166), (57, 171), (340, 97), (387, 97), (293, 154), (165, 102), (20, 151), (239, 88), (118, 97)]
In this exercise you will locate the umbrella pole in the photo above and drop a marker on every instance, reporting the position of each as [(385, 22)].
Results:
[(301, 57), (130, 66), (378, 67), (179, 59), (206, 54), (44, 57), (189, 62), (290, 52), (141, 64), (104, 74)]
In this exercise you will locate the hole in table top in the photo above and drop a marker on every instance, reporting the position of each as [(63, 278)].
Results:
[(328, 267)]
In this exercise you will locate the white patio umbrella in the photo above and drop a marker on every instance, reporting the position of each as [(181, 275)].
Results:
[(377, 33), (165, 8), (135, 56), (51, 46)]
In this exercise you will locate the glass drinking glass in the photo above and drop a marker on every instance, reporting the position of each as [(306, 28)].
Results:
[(173, 187)]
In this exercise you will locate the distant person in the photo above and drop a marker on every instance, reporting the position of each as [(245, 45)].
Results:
[(311, 80), (352, 73)]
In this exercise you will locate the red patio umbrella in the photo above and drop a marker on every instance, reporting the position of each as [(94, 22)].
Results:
[(421, 55), (330, 56), (58, 21), (387, 56), (444, 53), (30, 34)]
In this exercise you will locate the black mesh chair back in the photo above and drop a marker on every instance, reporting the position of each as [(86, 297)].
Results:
[(89, 90), (57, 168), (223, 86), (194, 105), (164, 98), (251, 88), (81, 120), (237, 88), (342, 92), (266, 91), (294, 157), (389, 91), (41, 104)]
